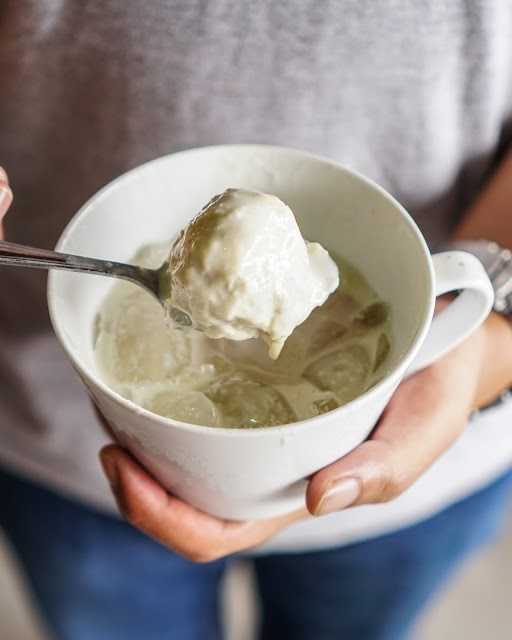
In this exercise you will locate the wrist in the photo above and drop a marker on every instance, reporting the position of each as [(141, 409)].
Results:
[(495, 370)]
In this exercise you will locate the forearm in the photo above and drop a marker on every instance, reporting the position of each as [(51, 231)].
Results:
[(496, 368), (490, 217)]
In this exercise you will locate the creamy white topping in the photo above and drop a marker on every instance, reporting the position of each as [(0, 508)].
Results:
[(242, 269)]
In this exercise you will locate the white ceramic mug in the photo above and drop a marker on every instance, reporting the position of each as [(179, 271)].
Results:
[(259, 473)]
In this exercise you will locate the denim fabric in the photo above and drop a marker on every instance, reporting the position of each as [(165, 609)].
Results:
[(97, 578)]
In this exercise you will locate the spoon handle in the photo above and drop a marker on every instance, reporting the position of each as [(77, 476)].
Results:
[(17, 255)]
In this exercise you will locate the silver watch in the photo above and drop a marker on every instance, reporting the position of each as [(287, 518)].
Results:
[(497, 262)]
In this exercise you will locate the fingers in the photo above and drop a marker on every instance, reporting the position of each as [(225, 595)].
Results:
[(364, 475), (5, 196), (175, 524), (426, 414)]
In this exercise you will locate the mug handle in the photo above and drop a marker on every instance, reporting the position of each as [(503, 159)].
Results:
[(455, 270)]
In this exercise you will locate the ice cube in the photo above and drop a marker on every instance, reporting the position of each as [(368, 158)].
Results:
[(134, 342), (324, 405), (382, 351), (247, 403), (344, 372), (252, 356), (199, 376), (372, 316), (328, 324), (193, 407), (327, 333), (339, 306)]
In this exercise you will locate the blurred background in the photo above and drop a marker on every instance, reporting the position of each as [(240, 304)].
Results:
[(474, 605)]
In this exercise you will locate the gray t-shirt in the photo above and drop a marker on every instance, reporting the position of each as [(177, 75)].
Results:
[(417, 95)]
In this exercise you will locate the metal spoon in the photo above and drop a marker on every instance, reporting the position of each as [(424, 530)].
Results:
[(152, 280)]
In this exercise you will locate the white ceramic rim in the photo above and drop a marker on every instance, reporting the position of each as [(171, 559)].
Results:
[(395, 373)]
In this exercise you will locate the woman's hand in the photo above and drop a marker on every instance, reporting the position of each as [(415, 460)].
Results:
[(425, 416), (174, 523), (5, 198)]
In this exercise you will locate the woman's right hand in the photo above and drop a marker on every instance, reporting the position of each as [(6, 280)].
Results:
[(5, 198)]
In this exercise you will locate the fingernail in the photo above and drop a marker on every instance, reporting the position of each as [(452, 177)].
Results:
[(5, 199), (110, 469), (3, 175), (340, 495)]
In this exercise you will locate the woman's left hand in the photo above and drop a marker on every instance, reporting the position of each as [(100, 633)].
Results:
[(425, 416)]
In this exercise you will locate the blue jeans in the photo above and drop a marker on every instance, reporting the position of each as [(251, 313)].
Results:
[(97, 578)]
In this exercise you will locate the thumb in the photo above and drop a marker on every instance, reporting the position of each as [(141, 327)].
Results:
[(426, 414)]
